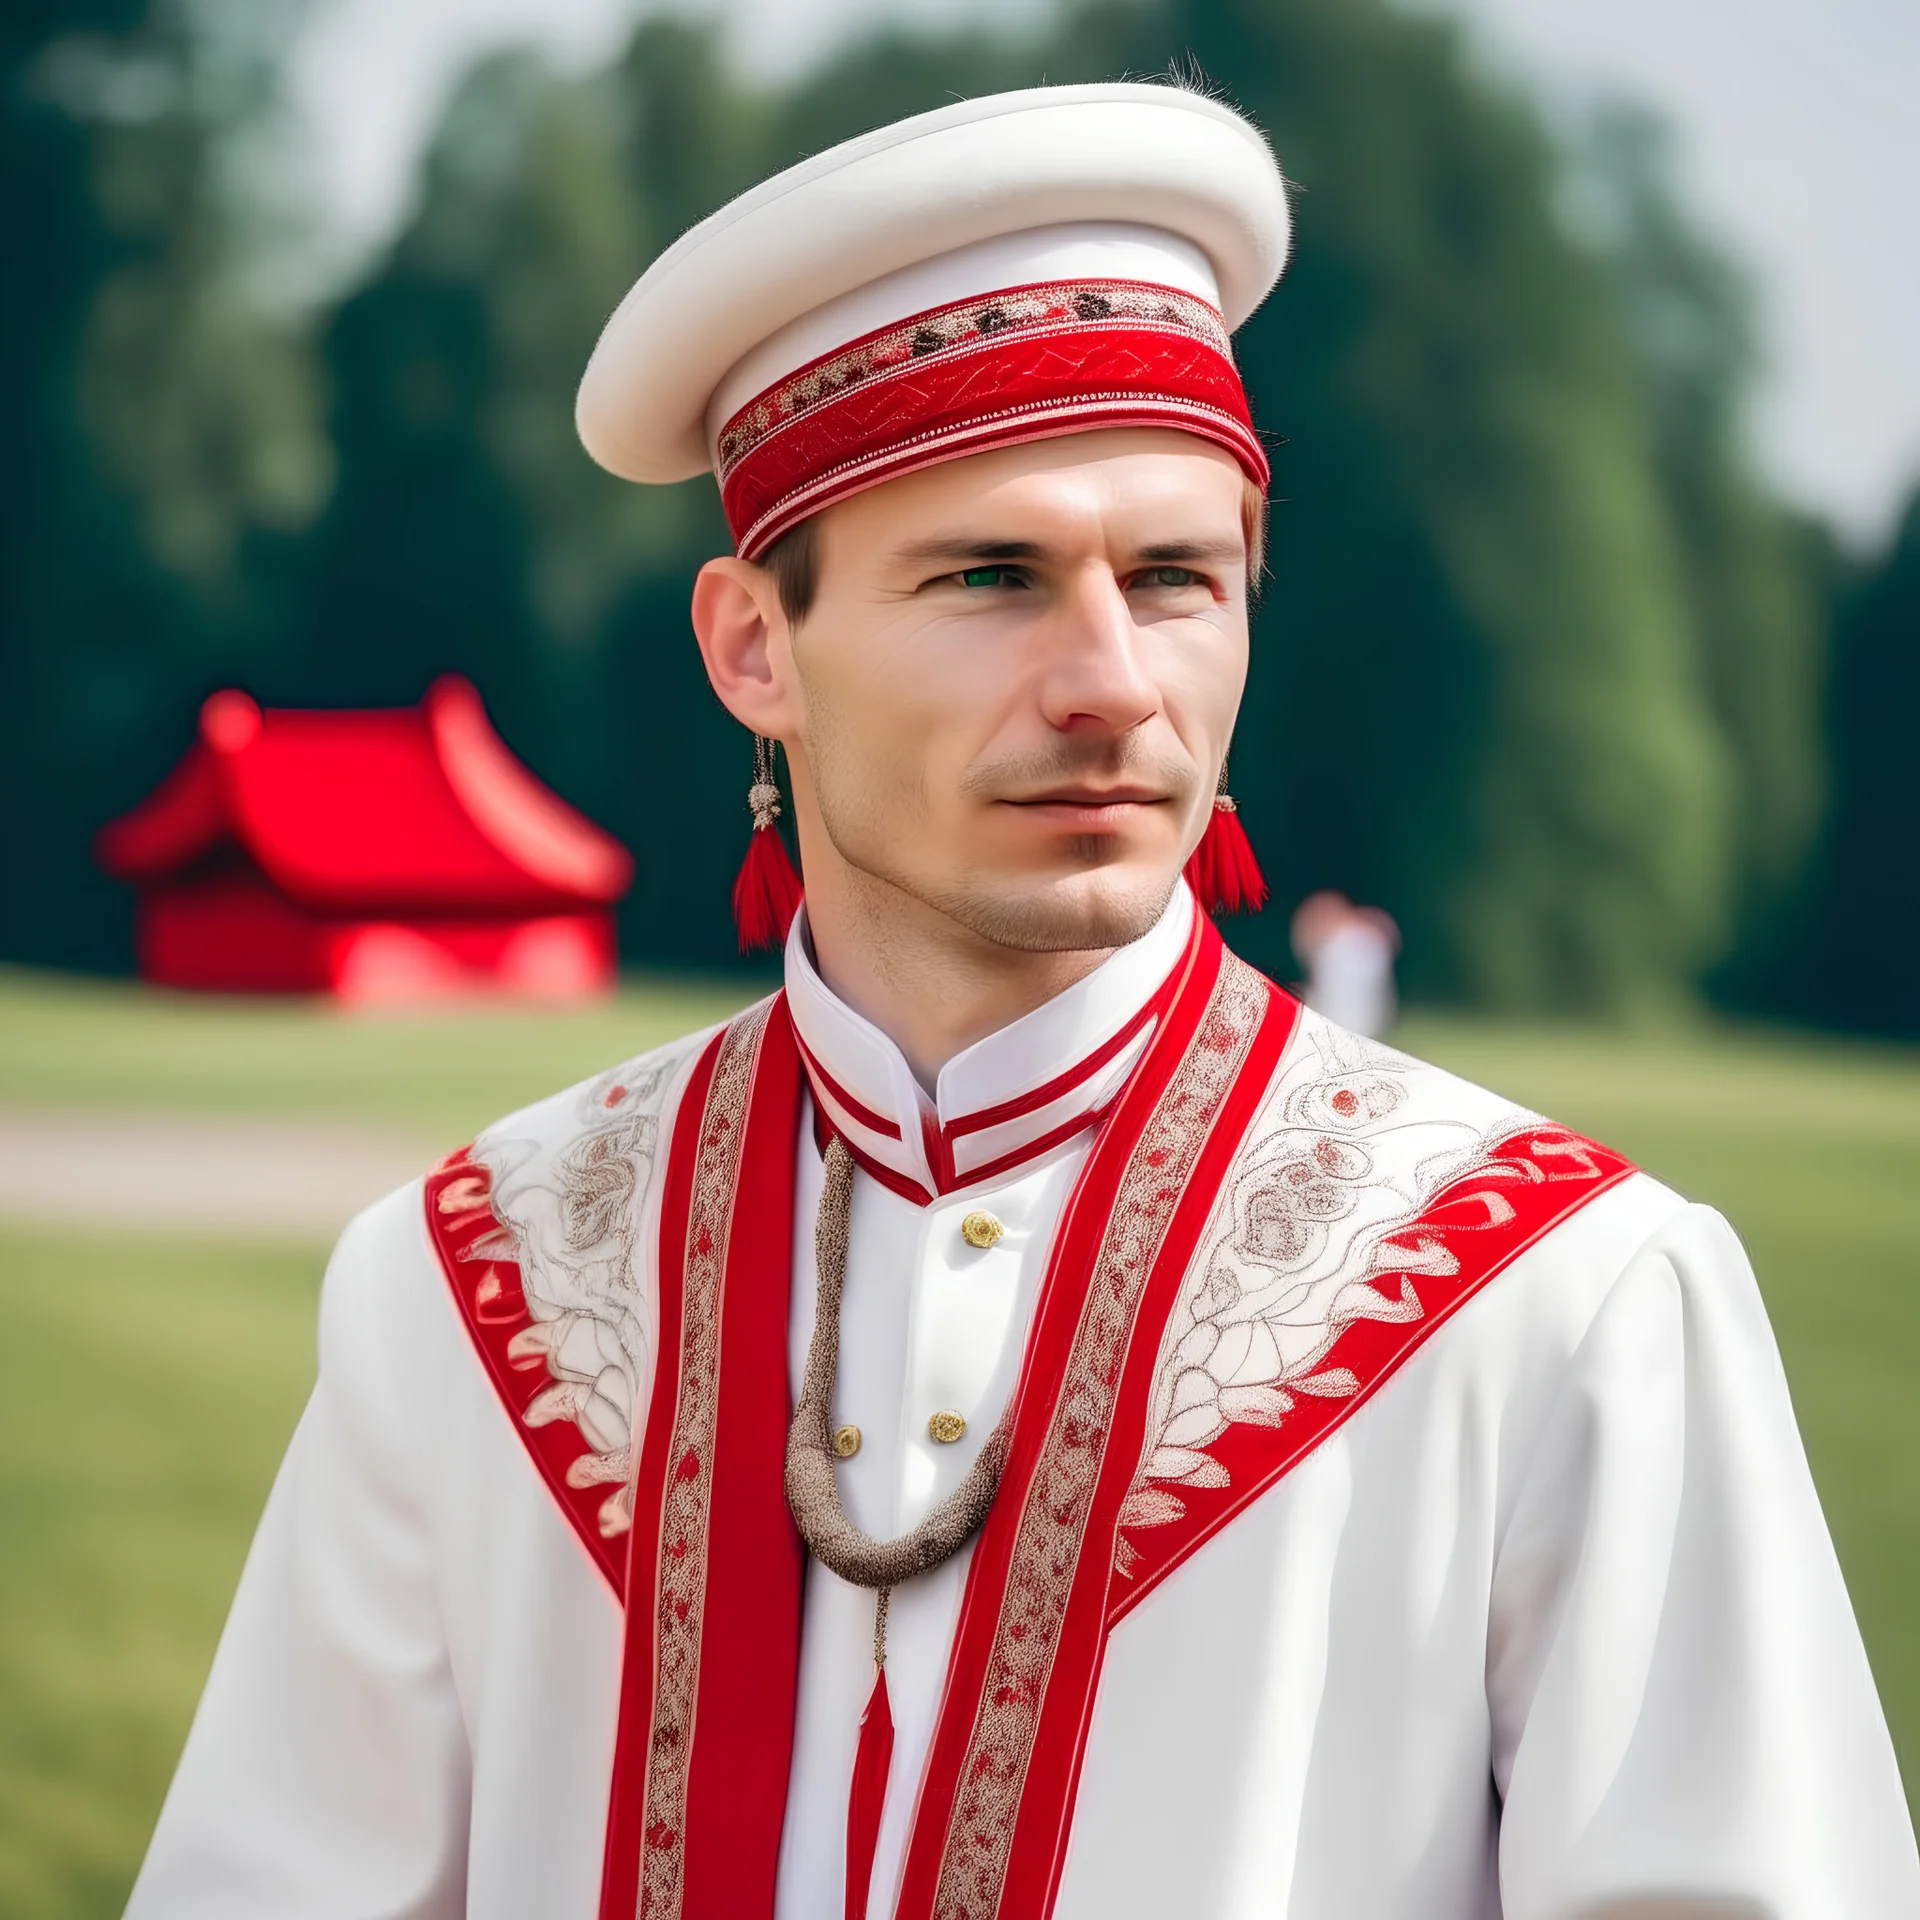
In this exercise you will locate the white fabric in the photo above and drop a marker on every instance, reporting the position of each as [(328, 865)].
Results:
[(1157, 157), (1551, 1629), (1081, 250)]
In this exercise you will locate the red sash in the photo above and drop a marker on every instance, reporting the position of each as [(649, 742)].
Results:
[(713, 1573)]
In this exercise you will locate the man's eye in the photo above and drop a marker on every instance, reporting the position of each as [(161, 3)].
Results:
[(1167, 577), (991, 577)]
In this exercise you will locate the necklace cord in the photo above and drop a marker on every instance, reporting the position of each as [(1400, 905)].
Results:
[(813, 1491)]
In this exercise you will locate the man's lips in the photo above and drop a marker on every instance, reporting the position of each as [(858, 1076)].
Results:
[(1084, 806)]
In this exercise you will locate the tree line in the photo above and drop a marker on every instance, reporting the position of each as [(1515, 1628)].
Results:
[(1540, 666)]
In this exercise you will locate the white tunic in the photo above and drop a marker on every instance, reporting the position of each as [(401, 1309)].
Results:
[(1550, 1628)]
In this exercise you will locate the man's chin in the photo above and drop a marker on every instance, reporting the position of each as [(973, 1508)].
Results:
[(1080, 913)]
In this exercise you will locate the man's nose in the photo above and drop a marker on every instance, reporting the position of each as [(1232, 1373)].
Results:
[(1095, 680)]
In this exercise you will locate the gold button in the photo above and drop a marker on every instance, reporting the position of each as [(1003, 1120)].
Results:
[(946, 1427), (846, 1441), (981, 1230)]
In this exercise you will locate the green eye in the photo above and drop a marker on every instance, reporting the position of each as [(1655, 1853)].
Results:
[(1169, 577), (990, 577)]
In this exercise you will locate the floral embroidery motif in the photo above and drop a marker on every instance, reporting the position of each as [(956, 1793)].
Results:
[(1061, 307), (1319, 1230), (979, 1835), (572, 1213)]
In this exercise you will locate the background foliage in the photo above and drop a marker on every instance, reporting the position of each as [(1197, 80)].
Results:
[(1541, 668)]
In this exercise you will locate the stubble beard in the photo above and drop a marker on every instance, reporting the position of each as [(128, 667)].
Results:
[(1041, 914)]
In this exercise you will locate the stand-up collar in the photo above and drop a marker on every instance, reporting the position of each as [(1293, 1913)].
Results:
[(1006, 1099)]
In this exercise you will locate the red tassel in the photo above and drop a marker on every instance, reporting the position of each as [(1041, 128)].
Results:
[(872, 1761), (1222, 871), (766, 896)]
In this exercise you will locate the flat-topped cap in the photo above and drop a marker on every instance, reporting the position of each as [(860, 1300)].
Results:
[(1139, 223)]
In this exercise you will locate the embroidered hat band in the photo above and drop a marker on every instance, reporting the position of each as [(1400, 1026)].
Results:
[(1023, 363)]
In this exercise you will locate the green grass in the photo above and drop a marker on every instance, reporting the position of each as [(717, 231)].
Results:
[(89, 1043), (147, 1388), (147, 1385)]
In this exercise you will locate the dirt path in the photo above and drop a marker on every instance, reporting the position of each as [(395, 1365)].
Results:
[(300, 1178)]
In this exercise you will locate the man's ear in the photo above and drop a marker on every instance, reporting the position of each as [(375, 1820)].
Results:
[(743, 635)]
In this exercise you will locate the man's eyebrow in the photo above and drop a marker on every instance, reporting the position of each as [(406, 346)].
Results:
[(1174, 553), (984, 549), (989, 550)]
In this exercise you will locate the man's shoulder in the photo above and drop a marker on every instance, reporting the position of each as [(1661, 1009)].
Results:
[(1349, 1087), (616, 1099), (570, 1175), (1366, 1162)]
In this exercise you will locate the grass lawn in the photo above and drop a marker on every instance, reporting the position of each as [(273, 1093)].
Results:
[(148, 1384)]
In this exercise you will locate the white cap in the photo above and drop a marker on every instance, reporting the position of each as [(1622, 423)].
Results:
[(1125, 182)]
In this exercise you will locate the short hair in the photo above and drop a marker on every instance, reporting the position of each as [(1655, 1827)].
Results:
[(793, 560)]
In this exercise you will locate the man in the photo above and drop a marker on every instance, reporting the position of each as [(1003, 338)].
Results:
[(1028, 1420)]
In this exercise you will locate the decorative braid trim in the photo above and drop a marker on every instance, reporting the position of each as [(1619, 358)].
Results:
[(1058, 308), (682, 1578)]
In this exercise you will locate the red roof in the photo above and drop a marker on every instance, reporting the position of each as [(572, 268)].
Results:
[(409, 808)]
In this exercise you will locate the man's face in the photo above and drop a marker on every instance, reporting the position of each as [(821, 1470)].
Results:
[(1018, 678)]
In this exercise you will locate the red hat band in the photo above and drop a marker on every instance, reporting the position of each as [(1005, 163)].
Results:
[(1026, 363)]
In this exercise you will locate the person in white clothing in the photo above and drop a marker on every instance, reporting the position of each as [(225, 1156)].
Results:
[(1027, 1420), (1348, 953)]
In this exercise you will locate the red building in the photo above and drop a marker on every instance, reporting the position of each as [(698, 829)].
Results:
[(391, 855)]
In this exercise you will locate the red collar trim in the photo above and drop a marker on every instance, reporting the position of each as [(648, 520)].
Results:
[(939, 1141), (826, 1087)]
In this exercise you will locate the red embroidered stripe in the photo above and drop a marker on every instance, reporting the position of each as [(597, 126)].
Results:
[(1023, 364), (712, 1650), (1022, 1648), (1053, 309), (478, 1255), (1532, 1181)]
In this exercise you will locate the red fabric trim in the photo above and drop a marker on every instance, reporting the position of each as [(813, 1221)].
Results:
[(867, 1798), (938, 1142), (750, 1641), (1056, 310), (1009, 427), (825, 1083), (1032, 1150), (995, 393), (477, 1250), (1061, 1083), (1083, 1228), (1053, 1776), (894, 1181), (620, 1873), (1545, 1173), (713, 1630)]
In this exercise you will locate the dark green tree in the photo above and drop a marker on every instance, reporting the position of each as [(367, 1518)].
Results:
[(148, 422), (1853, 962), (1752, 573)]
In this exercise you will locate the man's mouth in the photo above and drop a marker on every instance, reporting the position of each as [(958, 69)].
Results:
[(1087, 805)]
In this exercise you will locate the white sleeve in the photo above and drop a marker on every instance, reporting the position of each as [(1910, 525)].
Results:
[(326, 1776), (1684, 1721)]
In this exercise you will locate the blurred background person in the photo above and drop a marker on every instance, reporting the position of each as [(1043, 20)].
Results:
[(1348, 953)]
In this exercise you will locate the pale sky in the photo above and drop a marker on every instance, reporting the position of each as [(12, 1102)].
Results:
[(1800, 149)]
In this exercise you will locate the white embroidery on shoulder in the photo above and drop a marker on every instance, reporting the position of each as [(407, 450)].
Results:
[(575, 1188), (1351, 1143)]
